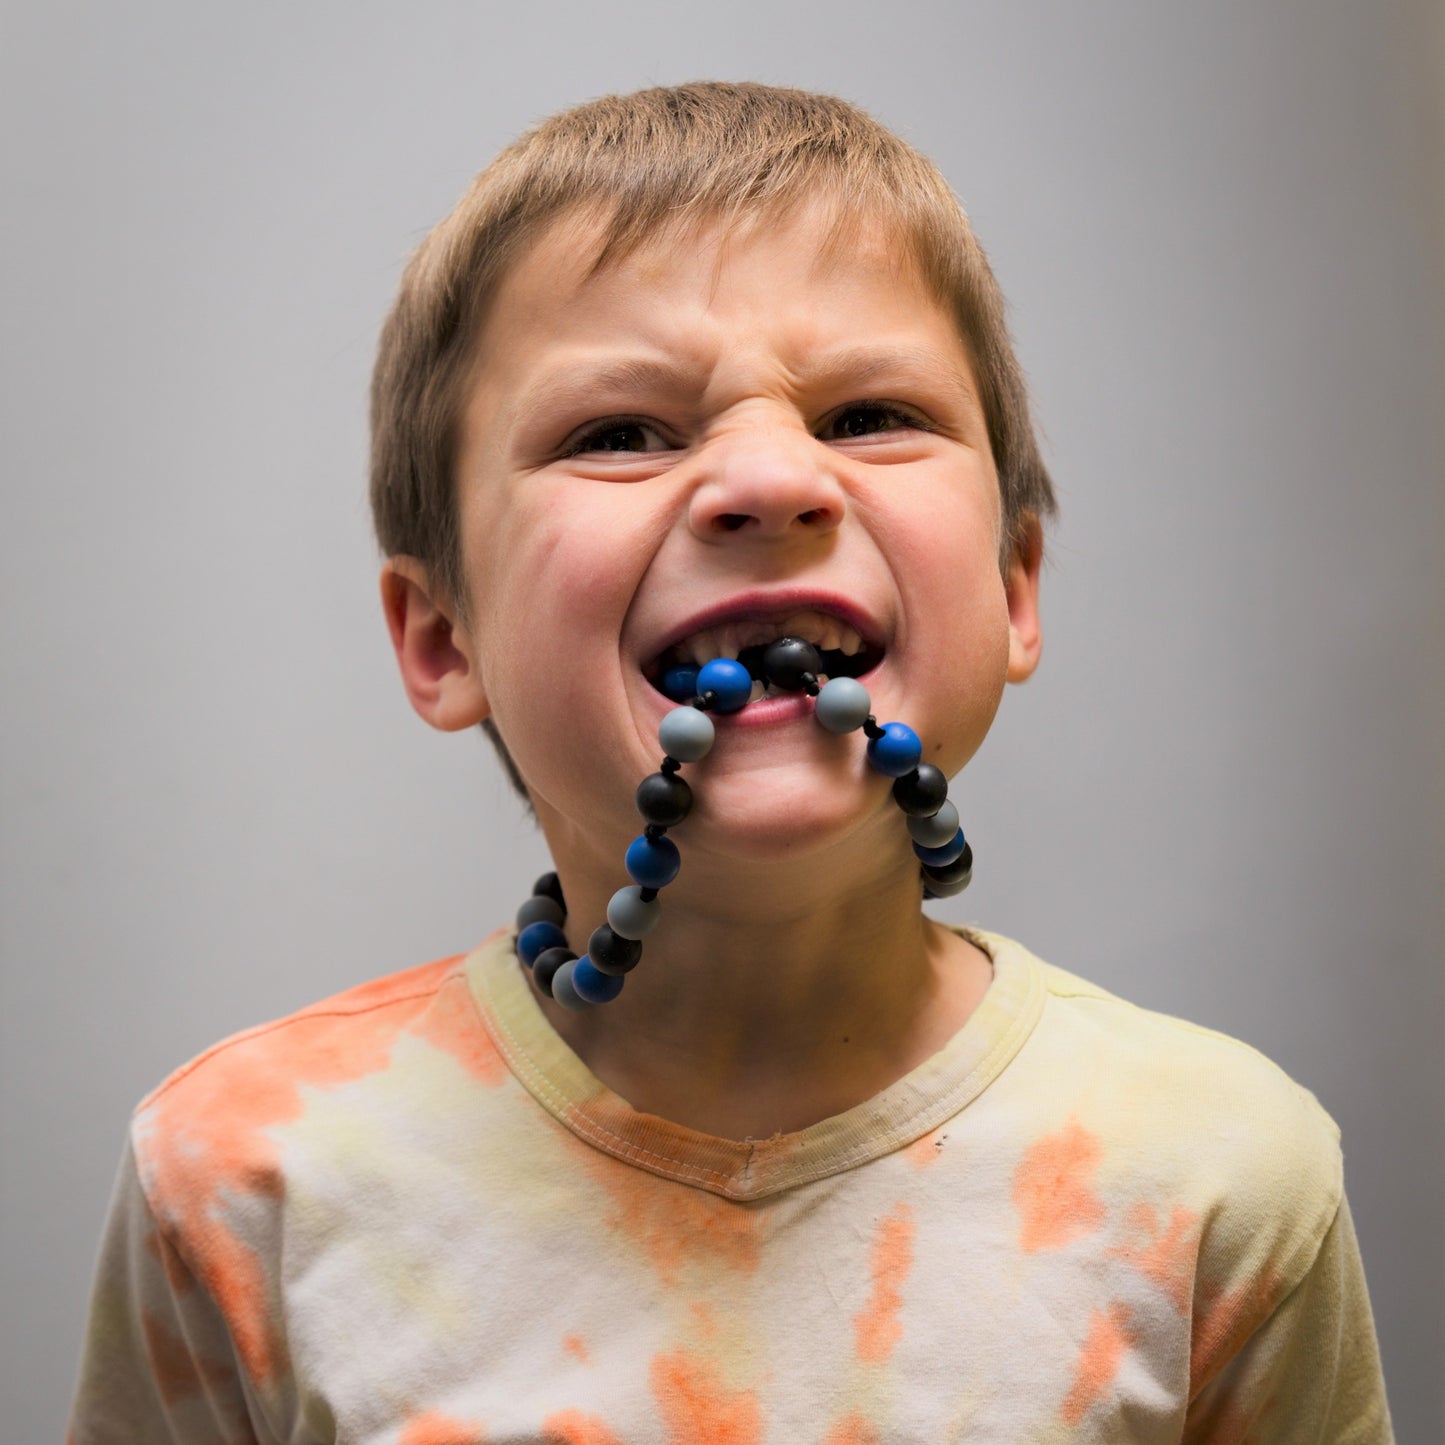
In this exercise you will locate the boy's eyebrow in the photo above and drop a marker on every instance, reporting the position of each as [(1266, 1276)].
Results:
[(864, 364), (857, 365)]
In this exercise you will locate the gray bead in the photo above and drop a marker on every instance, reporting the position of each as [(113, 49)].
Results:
[(563, 991), (686, 734), (629, 916), (540, 909), (842, 704), (947, 890), (934, 832)]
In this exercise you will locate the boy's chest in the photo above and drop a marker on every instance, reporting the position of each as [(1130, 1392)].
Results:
[(629, 1309)]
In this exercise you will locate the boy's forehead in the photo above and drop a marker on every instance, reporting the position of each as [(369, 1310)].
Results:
[(572, 275)]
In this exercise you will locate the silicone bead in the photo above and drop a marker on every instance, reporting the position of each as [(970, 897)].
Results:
[(652, 862), (942, 857), (591, 985), (547, 964), (897, 752), (842, 705), (564, 992), (949, 873), (789, 661), (541, 909), (537, 936), (630, 916), (611, 953), (686, 734), (663, 799), (922, 792), (728, 680), (549, 886), (937, 888), (680, 682), (937, 831)]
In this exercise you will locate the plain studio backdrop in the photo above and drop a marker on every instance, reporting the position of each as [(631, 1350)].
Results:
[(1220, 231)]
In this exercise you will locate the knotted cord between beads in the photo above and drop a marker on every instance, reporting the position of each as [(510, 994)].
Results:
[(686, 735)]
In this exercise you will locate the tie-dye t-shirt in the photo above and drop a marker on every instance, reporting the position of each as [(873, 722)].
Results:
[(411, 1215)]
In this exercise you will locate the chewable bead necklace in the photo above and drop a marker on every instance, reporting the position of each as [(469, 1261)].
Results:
[(686, 734)]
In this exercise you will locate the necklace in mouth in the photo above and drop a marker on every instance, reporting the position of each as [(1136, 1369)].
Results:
[(839, 650), (726, 685)]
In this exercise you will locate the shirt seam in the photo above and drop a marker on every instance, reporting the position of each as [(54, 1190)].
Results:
[(182, 1073)]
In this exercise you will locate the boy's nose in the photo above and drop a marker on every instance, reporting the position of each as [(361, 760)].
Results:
[(775, 484)]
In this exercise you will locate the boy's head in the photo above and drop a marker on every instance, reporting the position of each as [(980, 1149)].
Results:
[(668, 167)]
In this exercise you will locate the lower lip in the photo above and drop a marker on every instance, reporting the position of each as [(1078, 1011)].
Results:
[(767, 711)]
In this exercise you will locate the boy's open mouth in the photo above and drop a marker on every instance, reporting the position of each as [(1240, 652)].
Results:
[(843, 651)]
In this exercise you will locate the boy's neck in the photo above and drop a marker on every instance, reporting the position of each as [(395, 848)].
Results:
[(749, 1016)]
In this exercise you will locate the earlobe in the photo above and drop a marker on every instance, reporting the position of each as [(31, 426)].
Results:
[(438, 668), (1021, 582)]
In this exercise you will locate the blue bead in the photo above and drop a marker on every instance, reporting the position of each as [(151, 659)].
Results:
[(897, 752), (680, 682), (563, 991), (594, 985), (729, 680), (652, 862), (536, 937), (942, 857)]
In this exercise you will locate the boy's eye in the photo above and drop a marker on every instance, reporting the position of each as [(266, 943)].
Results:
[(864, 419), (619, 434)]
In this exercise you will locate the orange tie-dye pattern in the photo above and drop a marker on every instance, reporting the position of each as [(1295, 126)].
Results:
[(457, 1031), (677, 1226), (852, 1430), (1099, 1358), (205, 1135), (1166, 1257), (877, 1327), (1223, 1322), (434, 1428), (1053, 1189), (925, 1151), (572, 1427), (576, 1346), (697, 1408)]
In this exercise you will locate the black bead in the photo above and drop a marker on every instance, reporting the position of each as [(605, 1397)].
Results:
[(547, 963), (953, 872), (610, 952), (664, 799), (550, 886), (790, 662), (922, 792)]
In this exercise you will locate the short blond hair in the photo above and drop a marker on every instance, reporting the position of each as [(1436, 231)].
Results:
[(653, 163)]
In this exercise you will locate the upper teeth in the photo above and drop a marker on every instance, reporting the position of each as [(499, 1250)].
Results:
[(827, 634)]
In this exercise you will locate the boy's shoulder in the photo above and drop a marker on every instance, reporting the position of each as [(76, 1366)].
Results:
[(220, 1116), (1181, 1129), (336, 1033)]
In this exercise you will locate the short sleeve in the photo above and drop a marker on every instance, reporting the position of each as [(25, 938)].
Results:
[(1312, 1370), (158, 1362)]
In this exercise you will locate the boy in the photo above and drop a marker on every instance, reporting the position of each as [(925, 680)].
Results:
[(708, 373)]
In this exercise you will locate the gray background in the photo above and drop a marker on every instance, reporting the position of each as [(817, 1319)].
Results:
[(1220, 228)]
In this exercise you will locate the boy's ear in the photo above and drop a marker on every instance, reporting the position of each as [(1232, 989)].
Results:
[(1021, 584), (435, 656)]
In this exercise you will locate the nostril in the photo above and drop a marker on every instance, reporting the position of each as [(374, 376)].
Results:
[(731, 521), (816, 514)]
